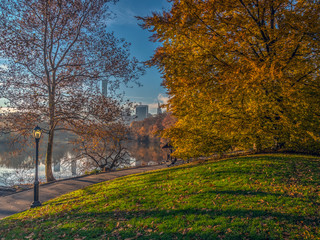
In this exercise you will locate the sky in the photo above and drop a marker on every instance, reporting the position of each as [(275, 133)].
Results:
[(125, 25)]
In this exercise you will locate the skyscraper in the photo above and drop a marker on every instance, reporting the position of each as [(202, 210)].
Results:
[(105, 88), (142, 112)]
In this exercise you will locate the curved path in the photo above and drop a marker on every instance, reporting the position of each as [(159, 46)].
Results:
[(21, 201)]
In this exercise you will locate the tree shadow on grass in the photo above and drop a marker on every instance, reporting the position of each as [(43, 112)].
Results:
[(256, 193), (167, 224)]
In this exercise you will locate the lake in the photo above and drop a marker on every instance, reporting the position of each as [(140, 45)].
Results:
[(18, 167)]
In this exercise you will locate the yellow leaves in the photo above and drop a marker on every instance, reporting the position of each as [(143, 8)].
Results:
[(313, 135)]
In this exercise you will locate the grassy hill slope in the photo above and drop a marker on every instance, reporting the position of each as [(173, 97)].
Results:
[(254, 197)]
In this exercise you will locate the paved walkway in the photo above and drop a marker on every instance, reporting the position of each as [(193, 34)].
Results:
[(21, 201)]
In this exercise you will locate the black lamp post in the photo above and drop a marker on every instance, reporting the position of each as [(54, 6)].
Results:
[(37, 135)]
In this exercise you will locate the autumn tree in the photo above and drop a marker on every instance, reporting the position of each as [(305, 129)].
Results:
[(241, 73), (54, 53)]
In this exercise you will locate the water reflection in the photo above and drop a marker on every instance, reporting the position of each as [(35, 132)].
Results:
[(146, 153), (17, 167)]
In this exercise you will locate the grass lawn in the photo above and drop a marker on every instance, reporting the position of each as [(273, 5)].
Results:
[(255, 197)]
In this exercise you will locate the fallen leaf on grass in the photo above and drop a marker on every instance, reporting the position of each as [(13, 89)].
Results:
[(186, 230), (30, 236)]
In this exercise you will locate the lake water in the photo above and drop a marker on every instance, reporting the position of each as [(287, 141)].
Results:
[(18, 167)]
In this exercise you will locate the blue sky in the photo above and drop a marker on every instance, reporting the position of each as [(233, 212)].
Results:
[(125, 25)]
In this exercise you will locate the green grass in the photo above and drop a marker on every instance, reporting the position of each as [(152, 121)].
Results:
[(254, 197)]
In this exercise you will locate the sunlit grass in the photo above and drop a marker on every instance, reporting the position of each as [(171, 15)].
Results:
[(255, 197)]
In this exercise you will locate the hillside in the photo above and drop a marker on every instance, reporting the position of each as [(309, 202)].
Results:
[(254, 197)]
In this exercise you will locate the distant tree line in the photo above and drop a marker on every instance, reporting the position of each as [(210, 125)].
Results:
[(149, 129)]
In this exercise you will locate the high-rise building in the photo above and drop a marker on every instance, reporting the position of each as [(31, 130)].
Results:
[(105, 88), (142, 112), (159, 110)]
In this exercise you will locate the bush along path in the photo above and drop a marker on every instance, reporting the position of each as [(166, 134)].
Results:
[(253, 197)]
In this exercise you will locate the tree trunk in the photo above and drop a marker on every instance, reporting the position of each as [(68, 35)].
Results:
[(257, 146), (48, 169), (48, 163)]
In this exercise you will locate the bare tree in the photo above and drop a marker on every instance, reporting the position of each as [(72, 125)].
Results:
[(105, 147), (54, 55)]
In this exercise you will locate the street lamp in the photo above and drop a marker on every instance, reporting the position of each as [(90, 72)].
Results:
[(37, 135)]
